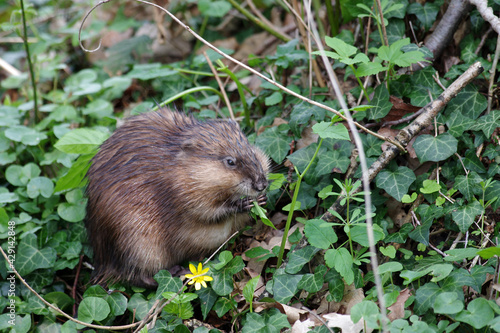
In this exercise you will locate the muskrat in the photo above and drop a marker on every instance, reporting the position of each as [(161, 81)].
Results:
[(165, 188)]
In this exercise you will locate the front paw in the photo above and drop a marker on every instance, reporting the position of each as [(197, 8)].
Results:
[(246, 204)]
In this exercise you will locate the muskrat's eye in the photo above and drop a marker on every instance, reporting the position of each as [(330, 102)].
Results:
[(230, 161)]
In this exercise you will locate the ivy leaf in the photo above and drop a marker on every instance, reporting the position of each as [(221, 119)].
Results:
[(465, 216), (302, 157), (396, 183), (223, 277), (298, 258), (327, 162), (458, 123), (425, 297), (435, 149), (285, 287), (468, 102), (30, 258), (380, 102), (426, 14), (488, 123), (81, 141), (318, 236), (468, 185), (271, 321), (207, 300), (421, 232), (472, 162), (274, 143)]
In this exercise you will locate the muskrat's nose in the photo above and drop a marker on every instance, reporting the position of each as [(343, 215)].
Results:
[(261, 185)]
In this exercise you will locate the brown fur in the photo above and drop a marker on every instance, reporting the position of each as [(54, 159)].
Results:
[(161, 191)]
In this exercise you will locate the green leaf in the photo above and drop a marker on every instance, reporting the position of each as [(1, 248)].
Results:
[(421, 232), (313, 283), (468, 185), (488, 123), (325, 129), (274, 143), (425, 297), (249, 289), (297, 259), (435, 149), (461, 254), (468, 102), (40, 186), (331, 160), (458, 123), (367, 310), (396, 183), (285, 286), (478, 314), (25, 135), (72, 212), (273, 99), (223, 305), (426, 14), (150, 71), (30, 258), (81, 141), (207, 300), (214, 8), (448, 303), (302, 157), (464, 216), (318, 236), (344, 50), (360, 236), (341, 260), (370, 68), (390, 267), (98, 108), (489, 252), (223, 278), (75, 177), (270, 321), (380, 102)]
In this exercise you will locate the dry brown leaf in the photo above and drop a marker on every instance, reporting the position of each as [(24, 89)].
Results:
[(398, 308), (352, 296)]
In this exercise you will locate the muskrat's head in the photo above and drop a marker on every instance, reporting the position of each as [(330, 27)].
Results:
[(222, 161)]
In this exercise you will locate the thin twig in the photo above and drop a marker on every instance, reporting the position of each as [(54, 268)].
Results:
[(221, 86), (262, 76)]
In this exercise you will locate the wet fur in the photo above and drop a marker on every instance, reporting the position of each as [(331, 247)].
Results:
[(160, 192)]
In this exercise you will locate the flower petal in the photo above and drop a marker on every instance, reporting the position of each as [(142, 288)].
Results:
[(193, 269)]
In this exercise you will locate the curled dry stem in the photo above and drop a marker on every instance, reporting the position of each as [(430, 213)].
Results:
[(250, 69)]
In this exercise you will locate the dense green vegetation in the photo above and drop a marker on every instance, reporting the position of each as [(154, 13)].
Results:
[(433, 207)]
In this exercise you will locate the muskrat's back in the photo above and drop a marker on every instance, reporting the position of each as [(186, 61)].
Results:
[(165, 188)]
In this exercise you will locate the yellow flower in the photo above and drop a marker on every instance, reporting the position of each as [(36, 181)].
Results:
[(198, 277)]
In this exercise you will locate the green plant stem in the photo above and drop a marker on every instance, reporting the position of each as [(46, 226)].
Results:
[(240, 87), (203, 27), (200, 73), (333, 17), (292, 204), (187, 92), (317, 5), (30, 65), (360, 83), (258, 22)]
